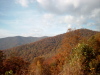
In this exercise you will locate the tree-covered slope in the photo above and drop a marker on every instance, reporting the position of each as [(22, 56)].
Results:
[(76, 52), (47, 45), (29, 51)]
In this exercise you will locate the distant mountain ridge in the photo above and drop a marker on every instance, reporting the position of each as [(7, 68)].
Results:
[(45, 46), (38, 48), (9, 42)]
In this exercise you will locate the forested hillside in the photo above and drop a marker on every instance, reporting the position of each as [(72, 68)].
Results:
[(29, 51), (9, 42), (76, 52)]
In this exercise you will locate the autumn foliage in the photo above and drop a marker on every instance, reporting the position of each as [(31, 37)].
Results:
[(77, 52), (15, 64)]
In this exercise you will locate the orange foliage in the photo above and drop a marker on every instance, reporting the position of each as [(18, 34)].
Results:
[(16, 64)]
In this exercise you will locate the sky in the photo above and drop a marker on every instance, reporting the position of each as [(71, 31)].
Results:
[(47, 17)]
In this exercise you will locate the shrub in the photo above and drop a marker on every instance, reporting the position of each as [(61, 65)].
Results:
[(9, 72)]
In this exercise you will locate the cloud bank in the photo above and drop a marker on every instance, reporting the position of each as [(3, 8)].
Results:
[(70, 6), (81, 12), (48, 17)]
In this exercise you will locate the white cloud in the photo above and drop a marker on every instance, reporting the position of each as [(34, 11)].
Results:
[(48, 16), (96, 13), (58, 6), (69, 19), (24, 3), (69, 26), (95, 16), (69, 6), (73, 20)]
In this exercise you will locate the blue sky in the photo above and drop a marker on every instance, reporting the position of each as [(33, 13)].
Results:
[(47, 17)]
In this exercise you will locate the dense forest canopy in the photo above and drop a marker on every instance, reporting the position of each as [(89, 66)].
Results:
[(77, 52)]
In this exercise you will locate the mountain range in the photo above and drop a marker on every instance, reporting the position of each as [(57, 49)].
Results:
[(76, 52), (9, 42), (45, 46)]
